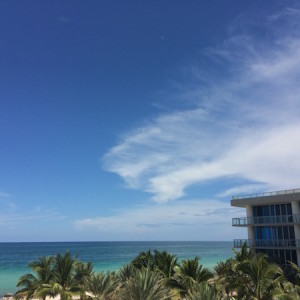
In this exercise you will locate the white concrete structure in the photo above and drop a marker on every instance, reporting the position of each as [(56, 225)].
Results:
[(273, 222)]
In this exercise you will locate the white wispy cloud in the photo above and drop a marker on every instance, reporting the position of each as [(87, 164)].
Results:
[(18, 218), (188, 220), (12, 214), (245, 122)]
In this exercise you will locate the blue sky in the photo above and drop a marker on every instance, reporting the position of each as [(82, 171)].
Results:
[(138, 120)]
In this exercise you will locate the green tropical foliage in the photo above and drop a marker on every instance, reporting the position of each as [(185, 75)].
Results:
[(286, 291), (165, 263), (144, 260), (203, 291), (259, 277), (126, 273), (101, 286), (226, 278), (83, 271), (31, 285), (159, 275), (145, 285), (64, 282), (188, 274), (243, 254)]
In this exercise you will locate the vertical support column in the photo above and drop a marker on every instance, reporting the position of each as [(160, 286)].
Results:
[(249, 213), (296, 211)]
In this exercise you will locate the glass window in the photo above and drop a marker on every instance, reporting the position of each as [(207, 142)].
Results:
[(254, 209), (260, 211), (266, 210), (272, 210), (289, 209), (283, 210), (259, 233), (279, 233), (262, 231), (255, 233), (285, 232), (292, 232), (277, 209)]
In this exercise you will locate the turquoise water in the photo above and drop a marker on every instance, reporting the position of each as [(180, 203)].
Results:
[(14, 257)]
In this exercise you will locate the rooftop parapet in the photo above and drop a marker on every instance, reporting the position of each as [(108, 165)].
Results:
[(284, 196), (259, 195)]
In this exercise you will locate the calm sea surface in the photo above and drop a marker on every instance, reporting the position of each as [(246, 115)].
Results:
[(14, 257)]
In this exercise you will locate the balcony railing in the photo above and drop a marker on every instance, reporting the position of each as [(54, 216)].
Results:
[(248, 221), (267, 243), (284, 192)]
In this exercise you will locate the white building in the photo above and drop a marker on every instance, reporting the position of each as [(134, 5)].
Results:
[(273, 223)]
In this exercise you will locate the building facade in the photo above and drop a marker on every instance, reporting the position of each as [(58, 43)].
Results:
[(273, 223)]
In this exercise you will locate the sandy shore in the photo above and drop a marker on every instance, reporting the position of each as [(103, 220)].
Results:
[(5, 297), (10, 297)]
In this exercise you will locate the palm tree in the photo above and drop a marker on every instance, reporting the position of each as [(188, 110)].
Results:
[(126, 273), (243, 254), (165, 263), (32, 285), (145, 285), (286, 291), (144, 260), (187, 274), (203, 291), (258, 277), (192, 268), (64, 282), (29, 284), (83, 271), (101, 286), (226, 278), (296, 272)]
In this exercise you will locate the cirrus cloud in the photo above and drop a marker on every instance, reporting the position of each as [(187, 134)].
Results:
[(244, 123)]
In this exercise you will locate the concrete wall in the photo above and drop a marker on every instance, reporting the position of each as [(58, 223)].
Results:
[(249, 213), (296, 211)]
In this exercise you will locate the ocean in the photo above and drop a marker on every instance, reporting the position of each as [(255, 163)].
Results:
[(14, 257)]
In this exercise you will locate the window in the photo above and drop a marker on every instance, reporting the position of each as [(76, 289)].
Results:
[(289, 209), (283, 209), (279, 232), (254, 209), (272, 210), (260, 211), (277, 209), (285, 232), (266, 210), (292, 232)]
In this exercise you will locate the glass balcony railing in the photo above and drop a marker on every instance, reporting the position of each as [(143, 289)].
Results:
[(267, 243), (246, 221)]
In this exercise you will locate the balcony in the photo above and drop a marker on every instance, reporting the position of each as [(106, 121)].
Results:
[(257, 244), (270, 220)]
